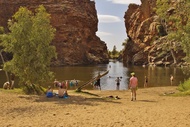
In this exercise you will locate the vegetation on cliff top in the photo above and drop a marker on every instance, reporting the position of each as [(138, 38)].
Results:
[(115, 54), (175, 18)]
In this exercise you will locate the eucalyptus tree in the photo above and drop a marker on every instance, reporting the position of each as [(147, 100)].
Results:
[(29, 40), (2, 59)]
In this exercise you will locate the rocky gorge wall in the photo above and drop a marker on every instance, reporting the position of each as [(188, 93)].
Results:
[(76, 25), (144, 45)]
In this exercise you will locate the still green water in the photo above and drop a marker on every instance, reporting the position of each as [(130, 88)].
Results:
[(157, 76)]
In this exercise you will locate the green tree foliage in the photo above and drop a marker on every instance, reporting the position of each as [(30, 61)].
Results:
[(186, 42), (29, 42), (161, 9), (114, 54), (185, 87), (175, 19), (1, 30), (161, 30), (114, 51), (125, 42), (183, 34)]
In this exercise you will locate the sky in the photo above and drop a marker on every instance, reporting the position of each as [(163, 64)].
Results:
[(111, 26)]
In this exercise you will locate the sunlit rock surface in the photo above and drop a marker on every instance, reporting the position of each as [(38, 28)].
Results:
[(76, 26)]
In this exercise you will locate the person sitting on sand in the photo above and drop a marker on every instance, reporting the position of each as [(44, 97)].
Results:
[(49, 92), (6, 85), (62, 92)]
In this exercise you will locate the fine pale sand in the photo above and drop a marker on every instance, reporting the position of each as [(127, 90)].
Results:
[(151, 109)]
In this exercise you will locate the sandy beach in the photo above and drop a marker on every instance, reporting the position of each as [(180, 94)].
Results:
[(151, 109)]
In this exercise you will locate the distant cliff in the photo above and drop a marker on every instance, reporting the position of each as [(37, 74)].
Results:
[(144, 45), (76, 25)]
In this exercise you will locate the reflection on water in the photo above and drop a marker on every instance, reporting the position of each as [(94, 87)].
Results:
[(157, 76), (116, 69), (85, 73)]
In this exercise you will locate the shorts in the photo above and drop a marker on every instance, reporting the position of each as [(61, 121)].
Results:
[(133, 88), (49, 94)]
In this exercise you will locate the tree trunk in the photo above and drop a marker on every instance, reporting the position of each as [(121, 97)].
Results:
[(173, 56), (4, 63), (33, 89), (91, 81)]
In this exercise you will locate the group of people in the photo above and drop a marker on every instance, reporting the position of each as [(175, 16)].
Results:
[(98, 86), (133, 86), (62, 89)]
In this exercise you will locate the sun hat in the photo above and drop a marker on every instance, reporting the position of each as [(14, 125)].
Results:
[(133, 73)]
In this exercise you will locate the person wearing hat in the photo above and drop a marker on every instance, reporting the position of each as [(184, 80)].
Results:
[(133, 86)]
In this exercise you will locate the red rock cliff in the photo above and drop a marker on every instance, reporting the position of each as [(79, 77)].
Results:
[(137, 21), (144, 44), (76, 25)]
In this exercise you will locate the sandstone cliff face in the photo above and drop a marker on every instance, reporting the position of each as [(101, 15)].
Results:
[(144, 43), (138, 20), (76, 25)]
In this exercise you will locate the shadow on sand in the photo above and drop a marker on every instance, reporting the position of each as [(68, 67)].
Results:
[(78, 98), (147, 101)]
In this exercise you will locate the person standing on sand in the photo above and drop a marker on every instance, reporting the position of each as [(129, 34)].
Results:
[(171, 79), (133, 86), (12, 80)]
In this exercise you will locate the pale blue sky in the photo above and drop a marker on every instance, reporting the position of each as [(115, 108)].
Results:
[(111, 26)]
